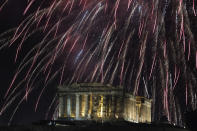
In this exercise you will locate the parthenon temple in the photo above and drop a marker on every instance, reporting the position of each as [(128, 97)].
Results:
[(99, 102)]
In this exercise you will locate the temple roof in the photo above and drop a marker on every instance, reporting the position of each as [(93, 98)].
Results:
[(90, 87)]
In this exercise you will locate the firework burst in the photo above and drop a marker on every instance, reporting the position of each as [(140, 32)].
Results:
[(148, 48)]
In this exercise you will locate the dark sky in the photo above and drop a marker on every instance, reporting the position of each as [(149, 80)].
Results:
[(10, 17)]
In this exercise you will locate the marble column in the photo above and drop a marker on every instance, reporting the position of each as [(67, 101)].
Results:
[(90, 107), (61, 111), (77, 107), (68, 106), (86, 106)]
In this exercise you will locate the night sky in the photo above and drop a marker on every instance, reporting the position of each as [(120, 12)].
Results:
[(12, 15)]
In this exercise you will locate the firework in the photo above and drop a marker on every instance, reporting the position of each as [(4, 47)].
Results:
[(146, 47)]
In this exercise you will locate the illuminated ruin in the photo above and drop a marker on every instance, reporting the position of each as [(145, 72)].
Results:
[(95, 101)]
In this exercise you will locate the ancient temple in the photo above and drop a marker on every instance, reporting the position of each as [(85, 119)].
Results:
[(95, 101)]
